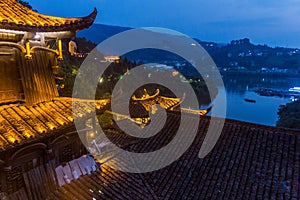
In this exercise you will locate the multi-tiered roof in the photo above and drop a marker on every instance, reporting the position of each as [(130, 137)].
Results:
[(29, 107)]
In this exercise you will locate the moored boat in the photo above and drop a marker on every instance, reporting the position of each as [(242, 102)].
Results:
[(250, 100)]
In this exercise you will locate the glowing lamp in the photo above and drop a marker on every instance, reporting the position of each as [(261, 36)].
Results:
[(28, 55)]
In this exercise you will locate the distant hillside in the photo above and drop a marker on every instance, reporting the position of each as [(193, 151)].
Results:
[(99, 32), (243, 55), (235, 56)]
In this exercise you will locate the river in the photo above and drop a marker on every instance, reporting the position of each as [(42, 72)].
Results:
[(264, 110)]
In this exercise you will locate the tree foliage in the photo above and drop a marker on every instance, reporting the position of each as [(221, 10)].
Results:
[(70, 66), (289, 115), (25, 3)]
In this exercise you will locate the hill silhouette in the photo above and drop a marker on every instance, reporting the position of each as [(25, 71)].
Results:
[(237, 55)]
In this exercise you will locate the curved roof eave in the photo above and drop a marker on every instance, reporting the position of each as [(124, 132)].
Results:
[(28, 20)]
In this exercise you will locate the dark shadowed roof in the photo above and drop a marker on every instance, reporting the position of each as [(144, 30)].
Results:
[(248, 162), (15, 16)]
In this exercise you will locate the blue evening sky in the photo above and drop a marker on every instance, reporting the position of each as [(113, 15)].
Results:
[(271, 22)]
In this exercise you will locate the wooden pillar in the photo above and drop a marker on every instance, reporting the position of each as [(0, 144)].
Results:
[(59, 46), (48, 155), (2, 177), (5, 169), (42, 39), (28, 55)]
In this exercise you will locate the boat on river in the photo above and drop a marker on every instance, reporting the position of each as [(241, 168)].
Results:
[(250, 100)]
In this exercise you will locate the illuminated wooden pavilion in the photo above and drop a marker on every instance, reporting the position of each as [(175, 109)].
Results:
[(37, 132), (30, 44)]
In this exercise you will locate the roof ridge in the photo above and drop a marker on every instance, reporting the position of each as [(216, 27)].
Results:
[(15, 16), (248, 124)]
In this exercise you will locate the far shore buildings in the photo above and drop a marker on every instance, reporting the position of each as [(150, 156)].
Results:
[(42, 157)]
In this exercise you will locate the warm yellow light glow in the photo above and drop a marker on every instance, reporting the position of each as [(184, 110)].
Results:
[(40, 130), (112, 58), (153, 109), (98, 107), (197, 112), (26, 134), (59, 44), (145, 96), (175, 73), (11, 139), (28, 55), (51, 126)]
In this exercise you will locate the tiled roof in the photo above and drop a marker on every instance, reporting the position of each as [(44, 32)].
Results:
[(248, 162), (20, 123), (147, 100), (14, 16), (98, 185)]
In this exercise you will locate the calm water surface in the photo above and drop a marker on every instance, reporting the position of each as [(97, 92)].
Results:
[(264, 111)]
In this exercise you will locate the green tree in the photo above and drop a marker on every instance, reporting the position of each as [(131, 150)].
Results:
[(26, 4), (289, 115)]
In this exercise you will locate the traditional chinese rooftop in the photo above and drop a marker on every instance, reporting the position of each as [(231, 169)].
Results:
[(147, 101), (21, 124), (29, 57), (140, 107), (15, 16), (249, 161)]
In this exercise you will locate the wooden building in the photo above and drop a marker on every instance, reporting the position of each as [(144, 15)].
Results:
[(37, 131), (29, 49)]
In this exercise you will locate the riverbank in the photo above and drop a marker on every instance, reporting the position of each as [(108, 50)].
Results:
[(260, 74), (278, 93)]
